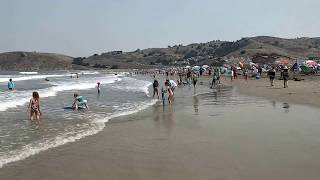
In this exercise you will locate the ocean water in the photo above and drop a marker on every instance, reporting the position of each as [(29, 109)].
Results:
[(20, 138)]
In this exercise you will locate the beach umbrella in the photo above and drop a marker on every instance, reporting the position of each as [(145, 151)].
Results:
[(195, 68), (283, 61), (311, 63), (187, 67), (205, 66), (226, 65)]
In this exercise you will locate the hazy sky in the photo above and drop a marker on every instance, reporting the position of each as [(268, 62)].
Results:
[(85, 27)]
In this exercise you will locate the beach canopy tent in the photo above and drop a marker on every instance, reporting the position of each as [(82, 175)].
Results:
[(311, 63), (196, 68), (283, 61), (226, 65), (253, 64), (205, 66)]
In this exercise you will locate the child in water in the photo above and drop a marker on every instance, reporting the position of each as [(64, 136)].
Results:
[(10, 85), (34, 106), (79, 101)]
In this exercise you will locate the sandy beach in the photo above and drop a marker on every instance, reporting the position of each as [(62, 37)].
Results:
[(305, 92), (206, 134)]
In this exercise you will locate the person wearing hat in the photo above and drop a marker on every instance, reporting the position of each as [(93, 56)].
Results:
[(285, 76)]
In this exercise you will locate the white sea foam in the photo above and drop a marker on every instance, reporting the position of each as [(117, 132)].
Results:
[(28, 72), (33, 77), (19, 98), (96, 126), (135, 85)]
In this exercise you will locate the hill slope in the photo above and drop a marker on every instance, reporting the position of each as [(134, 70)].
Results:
[(34, 61), (210, 52), (262, 49)]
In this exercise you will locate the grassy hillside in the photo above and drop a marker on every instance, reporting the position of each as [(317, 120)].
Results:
[(267, 49), (34, 61), (210, 53)]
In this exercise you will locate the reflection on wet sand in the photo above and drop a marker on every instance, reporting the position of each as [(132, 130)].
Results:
[(196, 105), (165, 118), (286, 107)]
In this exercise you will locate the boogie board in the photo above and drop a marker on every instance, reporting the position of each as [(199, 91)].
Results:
[(71, 108)]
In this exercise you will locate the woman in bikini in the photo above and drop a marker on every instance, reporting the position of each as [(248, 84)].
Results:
[(34, 106)]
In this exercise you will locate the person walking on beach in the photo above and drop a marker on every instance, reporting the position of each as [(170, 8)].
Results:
[(272, 75), (235, 74), (194, 80), (79, 101), (232, 74), (34, 106), (214, 78), (285, 75), (10, 85), (219, 76), (173, 85), (155, 87), (245, 73), (189, 77)]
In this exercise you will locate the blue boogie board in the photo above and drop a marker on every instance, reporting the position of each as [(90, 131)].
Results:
[(71, 108)]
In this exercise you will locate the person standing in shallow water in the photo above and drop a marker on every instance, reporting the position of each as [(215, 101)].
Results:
[(169, 91), (194, 80), (214, 78), (34, 106), (98, 87), (155, 87), (10, 85)]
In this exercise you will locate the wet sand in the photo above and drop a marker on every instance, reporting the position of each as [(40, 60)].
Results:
[(189, 140)]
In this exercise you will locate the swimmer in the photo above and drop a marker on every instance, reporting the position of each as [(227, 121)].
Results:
[(79, 101), (155, 87)]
